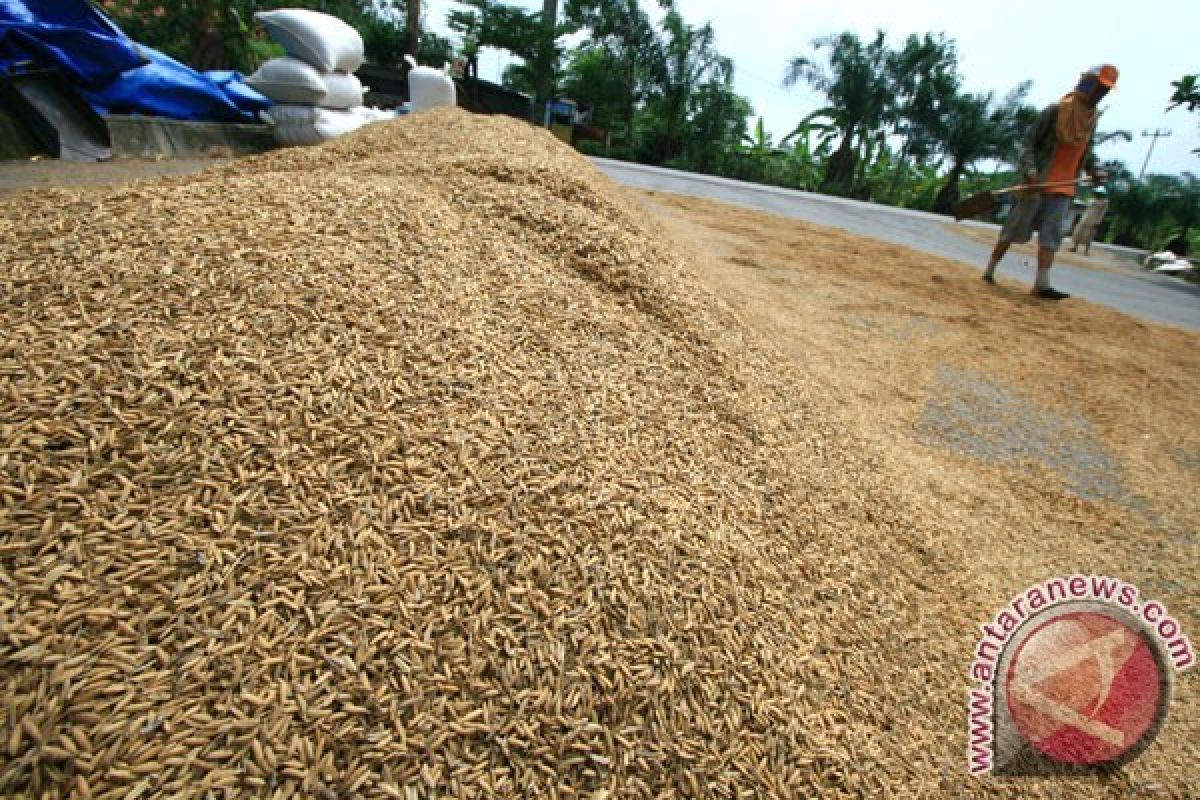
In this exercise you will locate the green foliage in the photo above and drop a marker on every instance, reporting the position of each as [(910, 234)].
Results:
[(621, 39), (976, 129), (524, 34), (488, 23), (203, 33), (1187, 93), (207, 34), (688, 73), (897, 127), (857, 83), (593, 76), (1156, 212), (925, 81), (880, 97)]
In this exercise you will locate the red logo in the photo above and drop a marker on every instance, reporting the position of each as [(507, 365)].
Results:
[(1084, 688)]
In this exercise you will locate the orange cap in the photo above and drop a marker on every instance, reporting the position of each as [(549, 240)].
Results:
[(1105, 74)]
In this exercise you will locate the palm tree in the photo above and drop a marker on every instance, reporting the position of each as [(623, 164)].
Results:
[(1104, 137), (859, 90), (972, 134), (1187, 93), (924, 74)]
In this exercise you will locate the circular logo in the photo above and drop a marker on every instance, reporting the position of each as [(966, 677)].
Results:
[(1087, 688)]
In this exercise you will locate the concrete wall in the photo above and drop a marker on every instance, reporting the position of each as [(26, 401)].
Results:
[(17, 142), (155, 137)]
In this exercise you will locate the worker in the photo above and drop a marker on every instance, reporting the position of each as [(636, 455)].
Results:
[(1056, 150), (1089, 223)]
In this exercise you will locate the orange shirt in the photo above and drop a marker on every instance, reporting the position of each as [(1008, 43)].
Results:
[(1064, 166)]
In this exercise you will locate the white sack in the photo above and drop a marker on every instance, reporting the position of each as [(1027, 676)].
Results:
[(292, 81), (325, 42), (429, 87), (304, 125)]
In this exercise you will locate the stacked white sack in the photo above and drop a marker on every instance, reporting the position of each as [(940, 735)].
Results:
[(324, 41), (291, 81), (317, 95), (305, 125)]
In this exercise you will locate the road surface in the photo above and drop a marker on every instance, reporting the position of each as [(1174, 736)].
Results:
[(1142, 294)]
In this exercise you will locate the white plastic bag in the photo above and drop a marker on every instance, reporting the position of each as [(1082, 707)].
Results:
[(304, 125), (429, 87), (324, 41), (292, 81)]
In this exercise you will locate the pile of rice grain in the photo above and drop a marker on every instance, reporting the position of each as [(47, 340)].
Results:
[(414, 465)]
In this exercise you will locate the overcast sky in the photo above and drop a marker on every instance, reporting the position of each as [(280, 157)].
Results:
[(1000, 44)]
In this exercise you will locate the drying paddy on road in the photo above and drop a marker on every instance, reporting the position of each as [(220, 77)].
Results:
[(892, 333), (426, 463)]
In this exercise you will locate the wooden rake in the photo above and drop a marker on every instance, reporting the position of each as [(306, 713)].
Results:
[(983, 202)]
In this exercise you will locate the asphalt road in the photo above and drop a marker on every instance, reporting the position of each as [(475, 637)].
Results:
[(1157, 298)]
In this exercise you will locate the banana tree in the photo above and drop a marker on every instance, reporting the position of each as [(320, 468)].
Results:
[(806, 160)]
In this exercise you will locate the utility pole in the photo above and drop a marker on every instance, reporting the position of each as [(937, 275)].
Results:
[(414, 27), (1156, 134)]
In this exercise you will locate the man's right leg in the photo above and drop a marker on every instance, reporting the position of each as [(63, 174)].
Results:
[(1049, 240), (998, 252), (1017, 228)]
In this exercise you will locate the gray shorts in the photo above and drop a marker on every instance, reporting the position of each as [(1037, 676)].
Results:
[(1044, 213)]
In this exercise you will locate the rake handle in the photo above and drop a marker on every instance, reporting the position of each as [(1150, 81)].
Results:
[(1023, 187)]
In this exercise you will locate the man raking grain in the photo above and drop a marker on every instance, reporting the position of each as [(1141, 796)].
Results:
[(1058, 148)]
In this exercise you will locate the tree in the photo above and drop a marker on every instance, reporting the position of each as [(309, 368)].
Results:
[(857, 84), (524, 34), (717, 120), (1182, 201), (207, 34), (925, 82), (414, 28), (688, 63), (548, 52), (624, 34), (971, 134), (202, 33), (1187, 93), (493, 24), (805, 160), (593, 76), (1014, 122), (975, 129)]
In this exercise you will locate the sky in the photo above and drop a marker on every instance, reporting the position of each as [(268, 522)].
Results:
[(1000, 44)]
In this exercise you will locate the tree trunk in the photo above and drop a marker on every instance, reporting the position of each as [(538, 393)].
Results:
[(208, 42), (947, 196), (899, 173), (414, 27), (839, 172), (630, 107), (544, 81)]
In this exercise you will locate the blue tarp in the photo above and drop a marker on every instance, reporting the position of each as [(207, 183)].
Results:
[(114, 73), (166, 88)]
